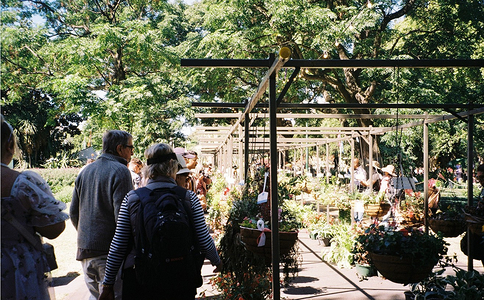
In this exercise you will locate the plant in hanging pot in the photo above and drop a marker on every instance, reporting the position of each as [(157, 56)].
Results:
[(255, 227), (401, 255), (375, 204), (474, 216), (245, 274), (450, 223), (412, 209)]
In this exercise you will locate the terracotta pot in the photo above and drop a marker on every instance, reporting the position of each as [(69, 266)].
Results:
[(377, 210), (448, 228), (400, 270), (249, 236)]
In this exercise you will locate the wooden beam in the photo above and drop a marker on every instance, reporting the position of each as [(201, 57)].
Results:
[(316, 116), (336, 63)]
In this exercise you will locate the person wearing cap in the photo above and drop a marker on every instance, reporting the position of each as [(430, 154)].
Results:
[(160, 171), (388, 173), (182, 176), (28, 203), (191, 158)]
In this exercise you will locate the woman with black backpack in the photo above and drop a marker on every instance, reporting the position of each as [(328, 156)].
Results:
[(166, 227)]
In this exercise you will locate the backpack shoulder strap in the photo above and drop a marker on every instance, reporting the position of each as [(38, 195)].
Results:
[(143, 194)]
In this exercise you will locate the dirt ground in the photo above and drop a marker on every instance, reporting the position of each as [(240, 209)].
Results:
[(65, 247)]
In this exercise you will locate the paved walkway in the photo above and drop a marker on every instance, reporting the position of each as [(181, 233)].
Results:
[(316, 279)]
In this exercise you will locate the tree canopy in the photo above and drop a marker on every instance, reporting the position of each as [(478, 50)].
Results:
[(114, 64)]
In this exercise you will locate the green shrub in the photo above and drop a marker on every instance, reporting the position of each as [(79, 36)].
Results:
[(61, 181), (65, 194)]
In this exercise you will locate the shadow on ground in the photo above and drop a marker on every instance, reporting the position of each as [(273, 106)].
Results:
[(65, 280)]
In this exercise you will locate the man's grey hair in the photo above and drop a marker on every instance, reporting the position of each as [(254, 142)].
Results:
[(166, 169), (113, 138)]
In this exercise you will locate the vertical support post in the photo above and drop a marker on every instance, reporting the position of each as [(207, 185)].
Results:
[(240, 156), (318, 161), (276, 292), (246, 147), (230, 157), (370, 158), (352, 171), (470, 187), (426, 172), (327, 163)]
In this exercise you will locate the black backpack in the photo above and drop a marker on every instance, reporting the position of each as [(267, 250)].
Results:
[(167, 250)]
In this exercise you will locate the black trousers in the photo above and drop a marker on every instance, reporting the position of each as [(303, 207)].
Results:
[(133, 290)]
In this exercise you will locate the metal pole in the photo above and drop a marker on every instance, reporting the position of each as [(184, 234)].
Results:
[(370, 158), (276, 292), (246, 149), (426, 173), (352, 171), (327, 163), (318, 161), (240, 176), (470, 187)]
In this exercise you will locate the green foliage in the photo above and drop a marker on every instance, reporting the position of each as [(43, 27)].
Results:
[(63, 161), (245, 274), (422, 248), (463, 285), (103, 66), (61, 181), (341, 245), (112, 66)]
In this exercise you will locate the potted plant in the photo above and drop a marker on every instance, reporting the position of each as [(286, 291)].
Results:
[(362, 259), (257, 239), (339, 252), (450, 223), (401, 255), (322, 230), (462, 285), (375, 205), (412, 209), (474, 216), (244, 273), (432, 287)]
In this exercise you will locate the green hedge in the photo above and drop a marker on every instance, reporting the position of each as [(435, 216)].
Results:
[(61, 181)]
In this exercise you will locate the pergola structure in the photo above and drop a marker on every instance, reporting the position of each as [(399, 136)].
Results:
[(224, 144)]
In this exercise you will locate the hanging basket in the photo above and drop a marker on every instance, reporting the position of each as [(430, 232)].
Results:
[(448, 228), (475, 223), (400, 270), (249, 236), (377, 210)]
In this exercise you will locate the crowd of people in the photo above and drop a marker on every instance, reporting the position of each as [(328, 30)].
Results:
[(103, 210), (105, 205)]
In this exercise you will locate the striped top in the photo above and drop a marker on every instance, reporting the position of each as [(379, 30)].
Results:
[(119, 244)]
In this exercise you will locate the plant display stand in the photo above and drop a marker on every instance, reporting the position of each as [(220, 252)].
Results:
[(400, 270), (250, 238), (448, 228), (377, 210)]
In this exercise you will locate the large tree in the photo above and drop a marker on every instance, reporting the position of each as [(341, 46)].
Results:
[(387, 29), (111, 62)]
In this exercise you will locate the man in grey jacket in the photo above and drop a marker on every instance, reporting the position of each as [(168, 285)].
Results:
[(99, 190)]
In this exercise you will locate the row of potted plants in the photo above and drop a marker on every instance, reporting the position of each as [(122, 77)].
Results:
[(371, 243)]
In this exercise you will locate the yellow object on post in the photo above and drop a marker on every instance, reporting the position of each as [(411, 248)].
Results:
[(285, 52)]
